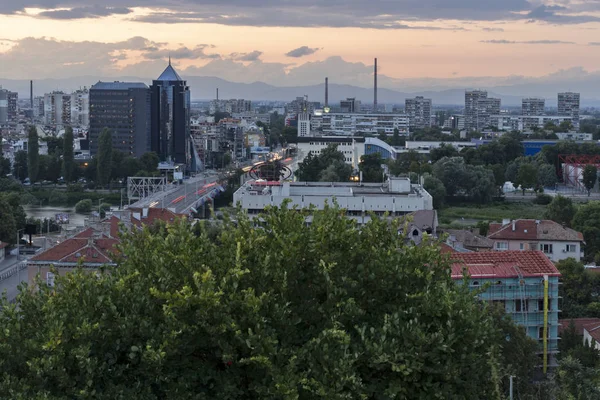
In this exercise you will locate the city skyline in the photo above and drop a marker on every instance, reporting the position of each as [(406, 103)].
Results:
[(235, 40)]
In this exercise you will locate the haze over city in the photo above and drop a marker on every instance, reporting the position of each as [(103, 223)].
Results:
[(421, 45)]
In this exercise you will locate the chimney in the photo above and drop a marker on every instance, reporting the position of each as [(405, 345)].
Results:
[(326, 92), (217, 94), (375, 88), (31, 94), (514, 225)]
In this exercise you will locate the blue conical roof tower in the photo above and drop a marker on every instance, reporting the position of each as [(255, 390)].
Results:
[(169, 74)]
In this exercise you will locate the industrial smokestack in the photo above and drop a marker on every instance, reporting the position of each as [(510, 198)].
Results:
[(326, 92), (217, 94), (375, 87), (31, 94)]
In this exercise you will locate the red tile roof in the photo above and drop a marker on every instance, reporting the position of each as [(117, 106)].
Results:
[(594, 331), (446, 248), (529, 229), (579, 323), (94, 251), (503, 264), (154, 214)]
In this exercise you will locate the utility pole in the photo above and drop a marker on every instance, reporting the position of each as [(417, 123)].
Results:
[(511, 387)]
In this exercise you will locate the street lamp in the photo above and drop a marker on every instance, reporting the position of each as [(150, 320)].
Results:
[(19, 242)]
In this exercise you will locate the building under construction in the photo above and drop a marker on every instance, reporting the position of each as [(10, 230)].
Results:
[(525, 285)]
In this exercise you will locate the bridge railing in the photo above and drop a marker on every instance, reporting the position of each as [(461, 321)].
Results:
[(12, 271)]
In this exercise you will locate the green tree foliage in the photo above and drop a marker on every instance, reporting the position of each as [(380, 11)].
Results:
[(474, 182), (33, 154), (105, 157), (576, 288), (561, 210), (8, 225), (149, 162), (527, 177), (445, 150), (370, 166), (84, 206), (326, 311), (68, 158), (577, 382), (587, 221), (4, 166), (590, 177), (329, 166), (547, 176), (401, 165), (436, 189)]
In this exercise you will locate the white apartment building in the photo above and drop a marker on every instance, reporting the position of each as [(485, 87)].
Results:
[(349, 124), (478, 109), (397, 197), (231, 106), (304, 125), (422, 147), (352, 148), (525, 122), (532, 106), (61, 109), (568, 105), (419, 112)]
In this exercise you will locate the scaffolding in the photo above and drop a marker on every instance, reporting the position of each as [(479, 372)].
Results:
[(571, 167)]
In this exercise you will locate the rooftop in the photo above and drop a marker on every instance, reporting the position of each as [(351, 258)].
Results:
[(118, 86), (579, 323), (529, 229), (594, 330), (505, 264), (469, 239), (169, 74), (89, 250)]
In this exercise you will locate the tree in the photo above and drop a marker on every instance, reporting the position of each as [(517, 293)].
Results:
[(33, 154), (587, 221), (84, 206), (292, 311), (104, 158), (590, 177), (370, 166), (150, 162), (576, 381), (481, 185), (576, 288), (436, 189), (527, 177), (445, 150), (330, 164), (8, 225), (561, 210), (452, 172), (547, 176), (68, 158), (20, 165)]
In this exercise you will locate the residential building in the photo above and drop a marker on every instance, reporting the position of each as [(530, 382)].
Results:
[(532, 106), (522, 123), (350, 105), (478, 109), (62, 109), (556, 241), (568, 105), (124, 108), (425, 147), (348, 124), (419, 113), (467, 240), (591, 335), (304, 125), (353, 148), (396, 197), (8, 106), (524, 284), (419, 223), (455, 122), (231, 106), (170, 118), (300, 105), (38, 107)]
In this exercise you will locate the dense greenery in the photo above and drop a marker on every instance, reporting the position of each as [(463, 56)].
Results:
[(104, 160), (290, 311), (561, 210), (329, 166), (587, 221), (12, 217), (33, 154), (68, 160), (370, 166), (84, 206)]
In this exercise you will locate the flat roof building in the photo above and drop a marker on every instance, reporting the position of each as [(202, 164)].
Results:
[(397, 197)]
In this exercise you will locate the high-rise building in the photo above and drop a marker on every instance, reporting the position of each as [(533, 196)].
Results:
[(80, 108), (350, 105), (304, 124), (568, 105), (533, 106), (170, 125), (479, 109), (62, 109), (419, 112), (124, 108), (8, 106), (38, 107)]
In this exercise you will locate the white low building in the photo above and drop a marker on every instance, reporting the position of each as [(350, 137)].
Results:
[(397, 197), (353, 148)]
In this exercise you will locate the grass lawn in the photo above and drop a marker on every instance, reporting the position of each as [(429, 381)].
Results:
[(490, 212)]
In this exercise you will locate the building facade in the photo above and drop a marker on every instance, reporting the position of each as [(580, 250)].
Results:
[(170, 121), (419, 113), (352, 148), (348, 124), (397, 197), (304, 125), (557, 242), (479, 109), (124, 108), (8, 106), (532, 106), (62, 109), (568, 105), (350, 105), (525, 285)]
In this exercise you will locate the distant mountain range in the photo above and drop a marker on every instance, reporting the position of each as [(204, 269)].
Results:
[(204, 88)]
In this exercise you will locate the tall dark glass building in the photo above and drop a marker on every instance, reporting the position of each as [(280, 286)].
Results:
[(170, 121), (124, 108)]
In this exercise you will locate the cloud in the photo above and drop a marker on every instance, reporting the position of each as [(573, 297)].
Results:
[(302, 51), (558, 15), (84, 12), (252, 56), (594, 44), (181, 53), (503, 41), (492, 29)]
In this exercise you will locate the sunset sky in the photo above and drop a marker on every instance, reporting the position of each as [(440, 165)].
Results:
[(298, 42)]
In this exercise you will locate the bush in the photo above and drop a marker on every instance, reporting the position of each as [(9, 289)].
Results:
[(75, 188), (84, 206), (543, 199), (57, 198)]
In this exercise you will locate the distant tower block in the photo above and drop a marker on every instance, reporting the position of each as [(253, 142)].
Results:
[(326, 92), (375, 87), (31, 94)]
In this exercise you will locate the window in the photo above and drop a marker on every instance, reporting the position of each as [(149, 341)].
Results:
[(521, 305), (501, 245), (541, 332), (521, 246), (571, 248), (50, 279), (547, 248)]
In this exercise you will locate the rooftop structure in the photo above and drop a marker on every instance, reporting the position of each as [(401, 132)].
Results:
[(525, 285), (397, 197), (463, 239), (553, 239)]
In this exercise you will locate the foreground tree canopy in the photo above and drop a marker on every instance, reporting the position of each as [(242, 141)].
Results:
[(285, 311)]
